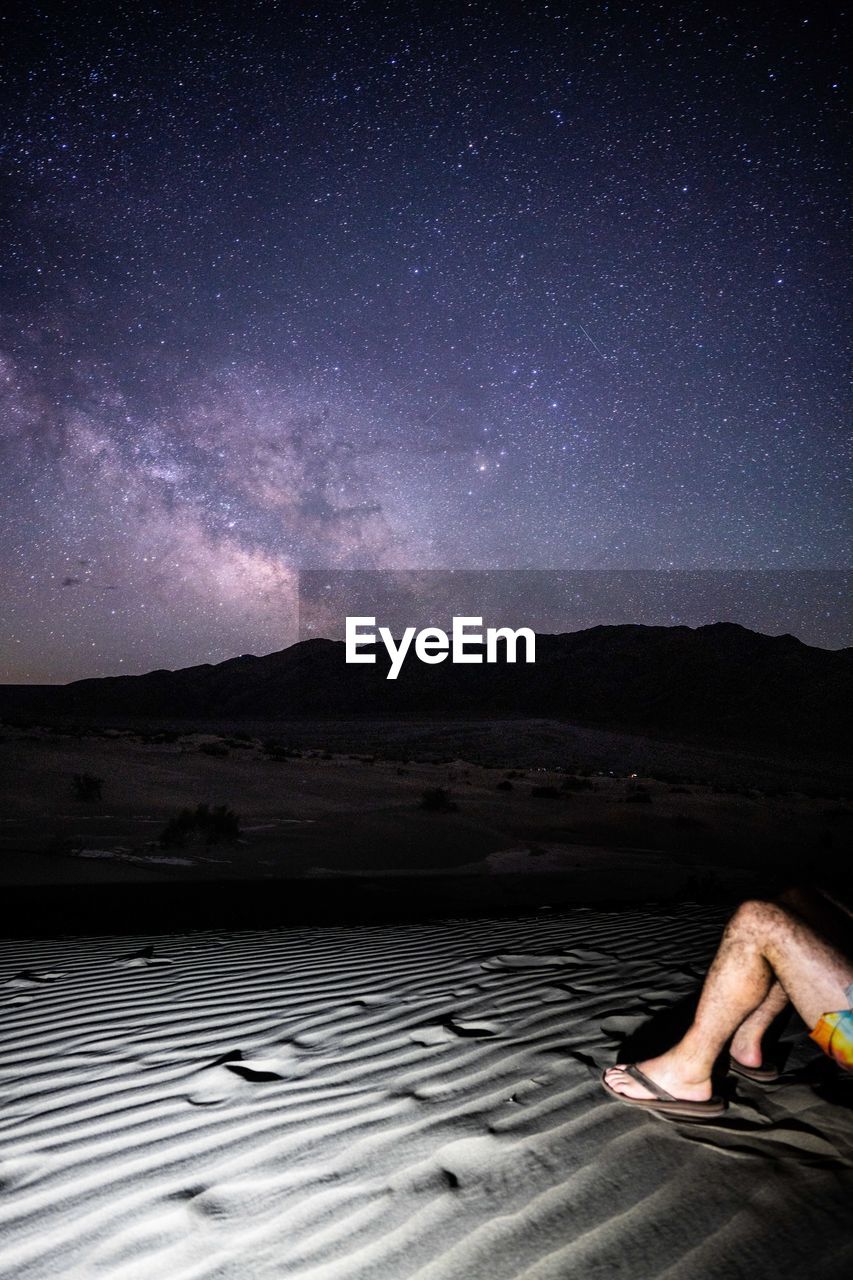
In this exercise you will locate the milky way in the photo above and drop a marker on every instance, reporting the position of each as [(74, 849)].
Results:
[(397, 285)]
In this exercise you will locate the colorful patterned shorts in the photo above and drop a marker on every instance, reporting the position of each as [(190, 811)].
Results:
[(834, 1034)]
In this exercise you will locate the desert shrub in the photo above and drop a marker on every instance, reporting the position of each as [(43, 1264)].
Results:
[(219, 825), (438, 800), (87, 786), (545, 793), (217, 749), (638, 795), (504, 785), (577, 784)]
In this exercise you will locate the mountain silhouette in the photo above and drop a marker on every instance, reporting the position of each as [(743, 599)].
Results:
[(720, 681)]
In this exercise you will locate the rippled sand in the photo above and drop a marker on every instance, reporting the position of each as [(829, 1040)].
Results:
[(388, 1102)]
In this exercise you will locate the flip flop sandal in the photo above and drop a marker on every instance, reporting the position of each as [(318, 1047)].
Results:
[(765, 1074), (662, 1102)]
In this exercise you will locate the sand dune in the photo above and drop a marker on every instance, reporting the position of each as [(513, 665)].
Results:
[(417, 1101)]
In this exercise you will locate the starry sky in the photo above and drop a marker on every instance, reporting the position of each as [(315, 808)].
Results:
[(408, 285)]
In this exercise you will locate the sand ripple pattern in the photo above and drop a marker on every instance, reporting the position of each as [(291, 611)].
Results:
[(379, 1103)]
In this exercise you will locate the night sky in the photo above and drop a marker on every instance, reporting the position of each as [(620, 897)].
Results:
[(407, 285)]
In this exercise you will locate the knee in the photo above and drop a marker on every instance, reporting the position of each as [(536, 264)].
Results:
[(756, 918)]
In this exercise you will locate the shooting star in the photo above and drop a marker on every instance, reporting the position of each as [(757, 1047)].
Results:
[(594, 343), (443, 405)]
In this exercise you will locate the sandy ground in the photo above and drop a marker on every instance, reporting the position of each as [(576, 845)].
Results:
[(315, 813), (381, 1103)]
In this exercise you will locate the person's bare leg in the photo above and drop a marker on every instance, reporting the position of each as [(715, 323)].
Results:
[(763, 943), (831, 922), (746, 1043)]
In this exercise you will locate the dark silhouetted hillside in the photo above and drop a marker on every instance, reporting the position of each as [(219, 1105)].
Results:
[(720, 681)]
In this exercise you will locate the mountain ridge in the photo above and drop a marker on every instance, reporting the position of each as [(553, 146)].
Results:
[(718, 680)]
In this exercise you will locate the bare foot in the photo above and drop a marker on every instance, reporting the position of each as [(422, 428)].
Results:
[(667, 1072)]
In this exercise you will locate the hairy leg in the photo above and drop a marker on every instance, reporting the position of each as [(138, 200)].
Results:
[(828, 918), (746, 1044), (765, 944), (832, 923)]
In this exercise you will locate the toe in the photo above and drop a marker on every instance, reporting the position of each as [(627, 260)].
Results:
[(619, 1080)]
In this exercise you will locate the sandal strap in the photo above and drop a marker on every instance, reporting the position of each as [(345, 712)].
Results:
[(655, 1090)]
